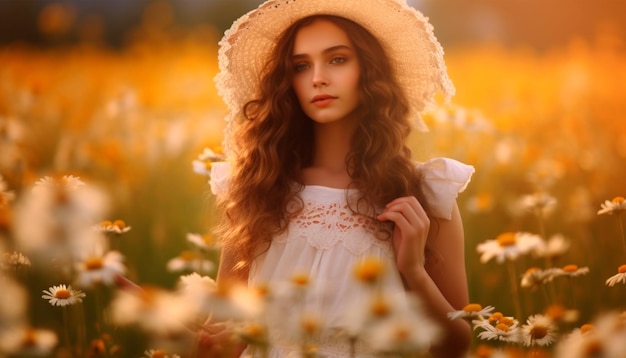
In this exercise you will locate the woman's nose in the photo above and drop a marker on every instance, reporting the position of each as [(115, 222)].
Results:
[(320, 77)]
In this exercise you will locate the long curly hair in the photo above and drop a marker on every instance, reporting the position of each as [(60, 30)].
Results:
[(274, 142)]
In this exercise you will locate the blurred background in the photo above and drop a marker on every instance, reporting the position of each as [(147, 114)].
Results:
[(121, 94)]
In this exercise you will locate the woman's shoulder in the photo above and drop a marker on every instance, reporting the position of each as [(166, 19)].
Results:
[(442, 180)]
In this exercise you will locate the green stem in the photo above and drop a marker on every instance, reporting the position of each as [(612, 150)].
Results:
[(621, 228), (514, 288), (66, 333), (572, 296)]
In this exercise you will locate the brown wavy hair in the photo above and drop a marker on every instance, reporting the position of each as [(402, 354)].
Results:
[(274, 142)]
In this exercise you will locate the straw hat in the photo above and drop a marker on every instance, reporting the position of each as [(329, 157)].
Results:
[(405, 34)]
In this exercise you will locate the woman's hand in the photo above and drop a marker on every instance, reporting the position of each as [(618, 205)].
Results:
[(409, 234), (216, 340)]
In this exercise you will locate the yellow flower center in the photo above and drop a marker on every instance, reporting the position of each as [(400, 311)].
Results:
[(586, 328), (106, 223), (369, 270), (502, 327), (148, 295), (120, 224), (62, 294), (506, 239), (188, 256), (472, 307), (262, 290), (159, 354), (495, 317), (401, 334), (300, 279), (30, 339), (531, 270), (254, 330), (484, 200), (483, 351), (310, 350), (621, 269), (97, 348), (208, 239), (593, 349), (555, 311), (538, 332), (506, 320), (570, 268), (380, 308), (309, 324), (618, 200), (94, 263)]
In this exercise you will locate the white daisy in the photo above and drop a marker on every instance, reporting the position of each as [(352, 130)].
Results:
[(369, 270), (540, 202), (604, 337), (480, 203), (6, 196), (561, 314), (64, 211), (202, 165), (198, 291), (117, 227), (613, 206), (63, 295), (14, 260), (236, 301), (99, 268), (471, 311), (28, 342), (13, 302), (203, 242), (498, 327), (508, 246), (535, 277), (159, 353), (190, 261), (539, 330), (580, 344), (407, 333), (499, 331), (154, 310), (253, 333), (620, 277), (572, 271), (556, 246), (368, 311)]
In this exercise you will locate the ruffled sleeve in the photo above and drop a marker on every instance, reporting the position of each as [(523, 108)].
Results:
[(443, 180), (220, 177)]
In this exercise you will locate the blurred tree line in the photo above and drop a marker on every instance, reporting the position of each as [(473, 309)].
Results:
[(539, 23)]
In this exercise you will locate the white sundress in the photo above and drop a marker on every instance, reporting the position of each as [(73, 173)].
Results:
[(324, 242)]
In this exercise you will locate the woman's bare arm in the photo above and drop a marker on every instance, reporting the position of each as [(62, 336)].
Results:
[(441, 286)]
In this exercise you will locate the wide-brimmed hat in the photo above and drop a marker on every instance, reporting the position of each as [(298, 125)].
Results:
[(405, 34)]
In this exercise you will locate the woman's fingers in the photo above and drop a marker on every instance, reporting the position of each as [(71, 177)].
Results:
[(406, 212)]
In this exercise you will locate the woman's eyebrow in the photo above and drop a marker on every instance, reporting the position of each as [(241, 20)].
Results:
[(326, 51)]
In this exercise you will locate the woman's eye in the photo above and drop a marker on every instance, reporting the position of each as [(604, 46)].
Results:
[(300, 67), (338, 60)]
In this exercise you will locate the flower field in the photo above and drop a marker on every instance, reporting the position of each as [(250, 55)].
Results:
[(103, 174)]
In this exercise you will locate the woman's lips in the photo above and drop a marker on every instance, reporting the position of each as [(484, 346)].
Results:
[(322, 100)]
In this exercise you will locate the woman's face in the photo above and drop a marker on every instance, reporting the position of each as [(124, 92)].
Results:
[(326, 72)]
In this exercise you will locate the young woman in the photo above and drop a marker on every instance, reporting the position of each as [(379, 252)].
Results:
[(323, 95)]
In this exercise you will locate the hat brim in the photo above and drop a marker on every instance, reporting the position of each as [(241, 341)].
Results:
[(405, 34)]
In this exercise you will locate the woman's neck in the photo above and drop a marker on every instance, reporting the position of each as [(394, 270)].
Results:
[(331, 147)]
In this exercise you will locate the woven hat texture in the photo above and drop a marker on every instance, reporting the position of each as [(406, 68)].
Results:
[(405, 34)]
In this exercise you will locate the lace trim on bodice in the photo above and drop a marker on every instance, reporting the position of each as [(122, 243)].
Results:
[(326, 223)]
